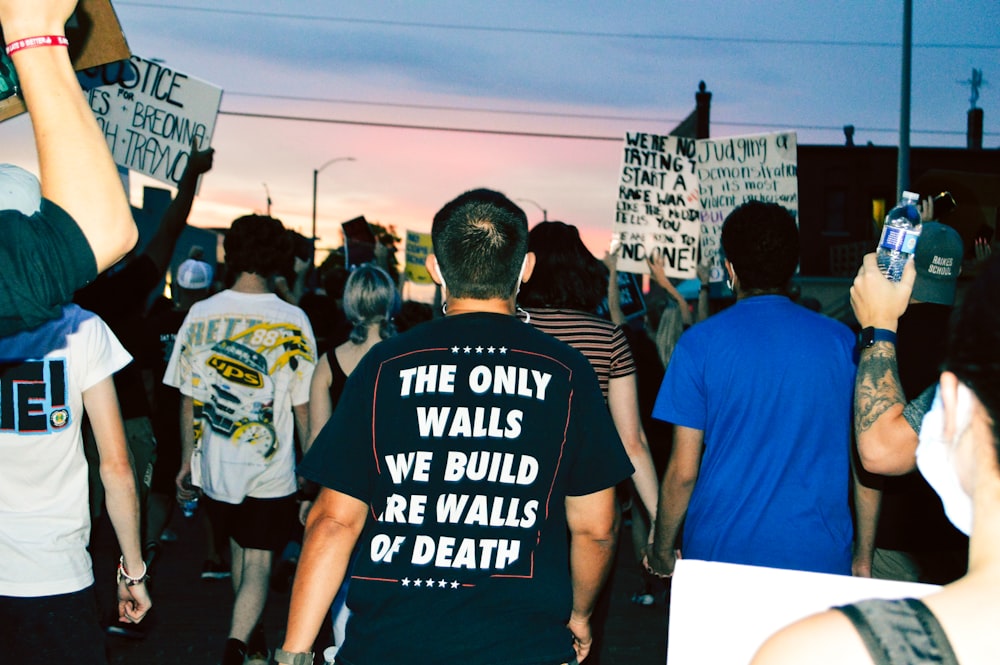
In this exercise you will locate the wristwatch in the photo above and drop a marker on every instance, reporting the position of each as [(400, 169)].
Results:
[(290, 658), (868, 336)]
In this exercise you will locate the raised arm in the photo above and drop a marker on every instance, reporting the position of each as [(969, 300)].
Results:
[(76, 168), (886, 442)]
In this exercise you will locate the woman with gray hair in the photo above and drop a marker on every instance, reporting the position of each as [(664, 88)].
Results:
[(371, 302)]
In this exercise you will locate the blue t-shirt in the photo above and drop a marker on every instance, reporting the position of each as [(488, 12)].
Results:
[(770, 384), (465, 436)]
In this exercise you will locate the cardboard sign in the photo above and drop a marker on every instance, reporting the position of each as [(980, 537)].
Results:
[(657, 213), (731, 171), (95, 38), (150, 115), (418, 246), (749, 604)]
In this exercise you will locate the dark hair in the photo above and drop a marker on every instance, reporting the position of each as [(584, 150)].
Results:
[(258, 244), (974, 346), (566, 274), (370, 295), (480, 239), (761, 240)]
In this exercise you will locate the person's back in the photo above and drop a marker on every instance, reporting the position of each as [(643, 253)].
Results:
[(760, 397), (771, 384), (465, 422), (460, 456)]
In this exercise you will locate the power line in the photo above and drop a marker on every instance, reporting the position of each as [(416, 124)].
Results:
[(554, 32), (581, 137)]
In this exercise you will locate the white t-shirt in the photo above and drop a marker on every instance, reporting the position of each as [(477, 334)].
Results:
[(245, 359), (44, 506)]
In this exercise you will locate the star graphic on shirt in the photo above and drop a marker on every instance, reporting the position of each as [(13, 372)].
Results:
[(418, 582), (503, 350), (479, 349), (442, 584), (455, 584), (468, 349), (454, 349), (491, 349), (429, 584), (405, 581)]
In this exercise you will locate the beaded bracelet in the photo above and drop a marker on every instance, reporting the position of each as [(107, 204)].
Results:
[(123, 576), (31, 42)]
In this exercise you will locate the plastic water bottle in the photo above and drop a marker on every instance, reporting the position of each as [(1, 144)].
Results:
[(899, 236), (188, 506)]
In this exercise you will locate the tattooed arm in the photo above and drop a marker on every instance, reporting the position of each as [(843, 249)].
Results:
[(886, 440), (887, 443)]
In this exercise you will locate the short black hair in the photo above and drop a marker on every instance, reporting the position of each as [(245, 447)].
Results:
[(258, 244), (480, 239), (566, 274), (761, 240)]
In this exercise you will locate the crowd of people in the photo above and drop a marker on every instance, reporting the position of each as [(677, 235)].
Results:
[(452, 485)]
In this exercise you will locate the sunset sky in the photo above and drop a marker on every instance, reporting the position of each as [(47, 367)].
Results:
[(557, 84)]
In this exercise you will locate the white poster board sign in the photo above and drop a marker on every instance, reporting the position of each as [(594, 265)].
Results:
[(657, 214), (150, 115), (731, 171), (723, 612)]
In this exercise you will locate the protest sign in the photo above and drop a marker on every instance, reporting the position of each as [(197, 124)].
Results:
[(150, 114), (95, 38), (735, 170), (418, 246), (657, 214), (758, 602)]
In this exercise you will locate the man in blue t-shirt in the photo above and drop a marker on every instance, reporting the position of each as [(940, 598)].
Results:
[(459, 456), (760, 397)]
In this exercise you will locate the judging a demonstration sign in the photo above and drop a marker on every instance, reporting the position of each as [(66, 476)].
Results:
[(151, 115)]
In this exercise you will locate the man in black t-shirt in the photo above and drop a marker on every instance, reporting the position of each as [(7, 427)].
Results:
[(457, 458)]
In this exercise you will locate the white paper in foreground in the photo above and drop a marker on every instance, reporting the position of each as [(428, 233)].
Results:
[(720, 613)]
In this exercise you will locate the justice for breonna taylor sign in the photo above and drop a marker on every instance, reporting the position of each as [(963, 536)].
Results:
[(151, 115)]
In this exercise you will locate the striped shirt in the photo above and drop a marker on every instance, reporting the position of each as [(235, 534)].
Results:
[(603, 343)]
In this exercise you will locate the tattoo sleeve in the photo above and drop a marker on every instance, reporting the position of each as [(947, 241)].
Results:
[(877, 386)]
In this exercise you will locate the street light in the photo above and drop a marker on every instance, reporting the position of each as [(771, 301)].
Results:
[(545, 214), (268, 192), (315, 176)]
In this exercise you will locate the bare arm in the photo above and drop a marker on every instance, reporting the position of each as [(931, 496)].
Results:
[(187, 448), (867, 505), (301, 415), (593, 528), (161, 245), (121, 496), (332, 529), (614, 293), (886, 442), (660, 277), (675, 494), (76, 169), (623, 402), (827, 638), (703, 292), (320, 404)]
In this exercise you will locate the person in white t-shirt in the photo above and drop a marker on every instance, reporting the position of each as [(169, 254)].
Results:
[(48, 377), (243, 360)]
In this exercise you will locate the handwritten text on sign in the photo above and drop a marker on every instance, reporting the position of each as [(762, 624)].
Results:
[(732, 171), (657, 212), (150, 114)]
